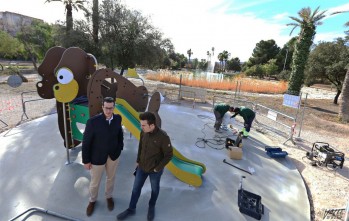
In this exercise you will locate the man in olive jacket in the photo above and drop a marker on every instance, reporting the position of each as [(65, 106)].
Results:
[(154, 152), (101, 147)]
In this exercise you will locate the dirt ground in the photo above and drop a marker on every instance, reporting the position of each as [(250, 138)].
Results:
[(326, 188)]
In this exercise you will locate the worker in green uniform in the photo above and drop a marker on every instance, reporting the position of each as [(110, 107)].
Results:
[(219, 110), (248, 116)]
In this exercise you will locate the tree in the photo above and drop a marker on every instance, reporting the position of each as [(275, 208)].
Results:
[(36, 39), (223, 58), (263, 52), (128, 39), (177, 60), (226, 56), (270, 68), (234, 64), (189, 52), (328, 61), (153, 49), (255, 71), (69, 6), (10, 47), (95, 21), (284, 57), (202, 65), (220, 59), (166, 63), (86, 32), (118, 34), (81, 36), (195, 63), (344, 102), (307, 21)]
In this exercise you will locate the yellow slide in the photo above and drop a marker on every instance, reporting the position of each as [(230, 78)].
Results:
[(184, 169)]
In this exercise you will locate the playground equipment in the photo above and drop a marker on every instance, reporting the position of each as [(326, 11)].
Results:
[(70, 76), (184, 169)]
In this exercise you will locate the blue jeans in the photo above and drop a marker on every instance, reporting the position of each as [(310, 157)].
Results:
[(141, 176)]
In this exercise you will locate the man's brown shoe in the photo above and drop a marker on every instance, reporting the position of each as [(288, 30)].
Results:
[(90, 208), (110, 203)]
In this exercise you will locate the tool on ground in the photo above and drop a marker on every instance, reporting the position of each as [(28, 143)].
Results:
[(250, 203), (275, 152), (232, 129), (246, 171), (229, 142), (322, 154), (232, 142)]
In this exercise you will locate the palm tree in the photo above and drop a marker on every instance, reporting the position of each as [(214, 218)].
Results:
[(189, 52), (344, 102), (308, 22), (221, 58), (208, 56), (69, 6), (212, 51), (226, 56), (95, 21)]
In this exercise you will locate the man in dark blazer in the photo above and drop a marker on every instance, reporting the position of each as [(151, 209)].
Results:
[(101, 147)]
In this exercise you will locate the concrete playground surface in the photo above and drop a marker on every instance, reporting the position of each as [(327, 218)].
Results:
[(34, 174)]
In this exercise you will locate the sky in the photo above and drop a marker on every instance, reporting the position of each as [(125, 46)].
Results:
[(232, 25)]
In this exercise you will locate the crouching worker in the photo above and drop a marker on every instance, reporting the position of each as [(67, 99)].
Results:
[(248, 116), (219, 110), (154, 152)]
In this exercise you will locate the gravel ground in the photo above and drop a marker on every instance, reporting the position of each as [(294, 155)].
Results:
[(327, 188)]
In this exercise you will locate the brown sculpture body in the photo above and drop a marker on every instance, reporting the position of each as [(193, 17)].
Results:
[(70, 74)]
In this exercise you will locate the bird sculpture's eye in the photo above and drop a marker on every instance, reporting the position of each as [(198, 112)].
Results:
[(64, 76)]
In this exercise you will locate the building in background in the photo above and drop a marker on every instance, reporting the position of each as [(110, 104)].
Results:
[(12, 22)]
